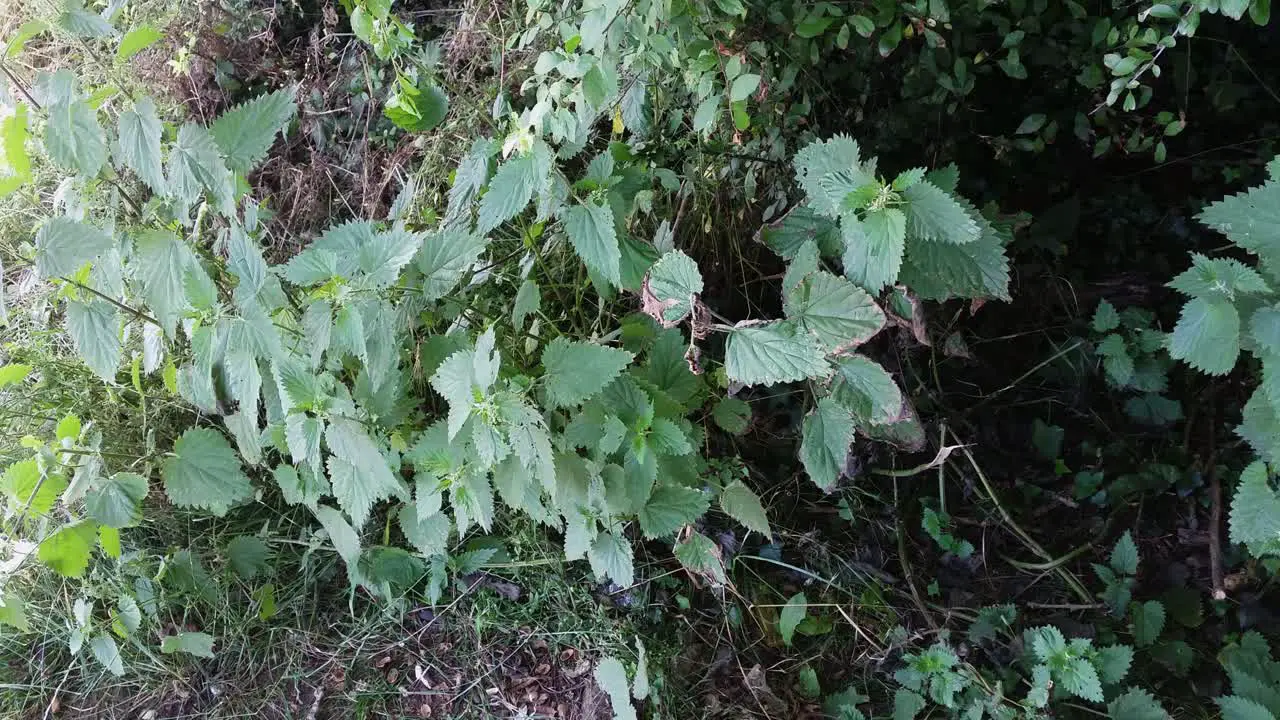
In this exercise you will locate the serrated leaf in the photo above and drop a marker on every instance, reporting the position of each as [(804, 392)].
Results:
[(1105, 318), (866, 390), (640, 686), (446, 256), (934, 215), (107, 653), (137, 40), (73, 138), (1124, 556), (611, 676), (95, 329), (818, 160), (15, 169), (345, 540), (472, 499), (381, 260), (469, 178), (416, 108), (28, 487), (732, 415), (1207, 336), (1238, 708), (826, 435), (774, 352), (673, 283), (67, 549), (591, 231), (1255, 509), (1079, 678), (611, 557), (1146, 620), (1136, 704), (1218, 277), (1047, 643), (192, 643), (204, 472), (1250, 219), (528, 302), (139, 143), (159, 264), (990, 621), (670, 508), (429, 533), (249, 556), (907, 704), (13, 612), (977, 269), (874, 247), (801, 225), (196, 165), (841, 315), (357, 470), (1116, 360), (1113, 663), (575, 371), (791, 615), (740, 503), (117, 501), (509, 192), (245, 133), (63, 245), (1264, 326), (1261, 426), (701, 556)]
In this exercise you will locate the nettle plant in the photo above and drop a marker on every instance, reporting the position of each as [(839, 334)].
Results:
[(1235, 307), (1134, 361), (913, 234)]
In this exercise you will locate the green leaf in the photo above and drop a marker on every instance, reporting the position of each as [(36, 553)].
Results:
[(472, 500), (701, 556), (28, 30), (302, 437), (249, 556), (907, 704), (818, 161), (575, 371), (740, 503), (1261, 427), (204, 472), (29, 488), (611, 676), (416, 108), (732, 415), (1146, 620), (137, 40), (992, 620), (743, 86), (1218, 278), (13, 374), (1079, 678), (873, 248), (670, 508), (1124, 556), (63, 245), (78, 21), (1250, 219), (591, 230), (95, 329), (245, 133), (774, 352), (1031, 124), (1113, 663), (841, 315), (791, 615), (528, 302), (381, 260), (140, 143), (117, 502), (1047, 643), (196, 165), (67, 550), (671, 288), (429, 534), (640, 686), (445, 258), (940, 271), (345, 540), (610, 557), (1116, 360), (192, 643), (1207, 336), (788, 234), (824, 449), (105, 651), (1238, 708), (934, 215), (159, 264), (14, 133), (73, 138), (509, 192), (1255, 509), (13, 612), (357, 470), (865, 389), (1264, 326), (1105, 318), (472, 172), (1136, 704)]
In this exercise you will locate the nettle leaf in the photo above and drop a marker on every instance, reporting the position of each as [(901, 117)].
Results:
[(867, 390), (73, 138), (472, 172), (591, 231), (1264, 326), (15, 170), (575, 371), (381, 260), (106, 652), (818, 160), (429, 533), (159, 265), (117, 501), (841, 315), (801, 225), (934, 215), (1207, 336), (1105, 318), (94, 327), (976, 269), (464, 375), (611, 676), (192, 643), (139, 143), (670, 508), (472, 498), (136, 40), (1146, 620), (1218, 277), (732, 415), (791, 615), (742, 504), (1250, 219), (1124, 557), (510, 190), (1239, 708), (701, 556), (673, 283), (345, 540), (1260, 426), (1080, 678), (67, 550), (826, 436), (873, 247), (196, 165), (774, 352), (357, 471), (446, 256), (245, 132), (666, 438), (302, 436), (1136, 704), (249, 556), (1255, 510), (63, 245), (22, 483), (611, 557), (204, 472)]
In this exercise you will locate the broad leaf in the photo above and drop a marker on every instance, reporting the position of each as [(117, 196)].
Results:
[(701, 556), (818, 161), (63, 245), (940, 271), (67, 550), (1255, 511), (841, 315), (671, 288), (791, 615), (445, 257), (873, 247), (1136, 704), (934, 215), (357, 471), (1146, 620), (775, 352), (590, 228), (866, 390), (107, 653), (245, 132), (1251, 219), (139, 143), (610, 557), (1207, 336), (249, 556), (73, 138), (1124, 556), (95, 329), (160, 262), (117, 501), (575, 371), (137, 40), (192, 643), (670, 508), (740, 503), (196, 165), (611, 676), (509, 192), (204, 472), (824, 449)]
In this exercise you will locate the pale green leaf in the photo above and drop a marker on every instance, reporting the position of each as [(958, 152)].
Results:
[(826, 435), (591, 231), (1136, 704), (611, 676), (907, 704), (1146, 620), (95, 329), (841, 315), (204, 472), (866, 390), (1113, 663), (249, 556), (472, 172), (509, 192), (107, 653), (446, 256), (775, 352), (13, 612), (666, 438), (934, 215), (791, 615), (873, 247), (1238, 708), (345, 540), (429, 533), (670, 508), (1218, 277), (1207, 336), (1124, 556), (28, 487), (732, 415), (137, 40), (575, 371), (1250, 219), (63, 245), (73, 138), (1255, 510), (1264, 326), (13, 373), (304, 487), (1105, 318), (196, 165), (1080, 678), (192, 643), (610, 557), (302, 436), (139, 143), (245, 133), (940, 271), (743, 86), (640, 686), (117, 501), (1261, 426), (67, 549), (528, 302), (740, 503), (357, 471), (701, 556), (818, 160), (159, 264), (671, 287), (471, 496)]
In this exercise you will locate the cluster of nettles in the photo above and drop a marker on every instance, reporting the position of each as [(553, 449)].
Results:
[(1134, 362)]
